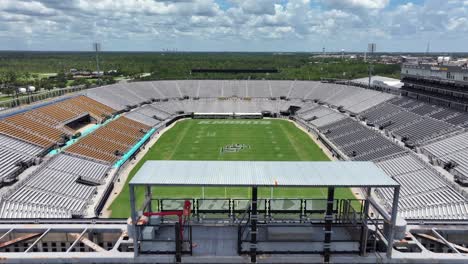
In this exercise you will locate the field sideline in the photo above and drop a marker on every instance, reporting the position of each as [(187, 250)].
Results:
[(202, 139)]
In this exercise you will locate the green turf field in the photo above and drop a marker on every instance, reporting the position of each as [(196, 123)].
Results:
[(267, 139)]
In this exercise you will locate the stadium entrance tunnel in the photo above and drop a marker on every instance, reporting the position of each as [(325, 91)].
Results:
[(258, 228), (79, 122)]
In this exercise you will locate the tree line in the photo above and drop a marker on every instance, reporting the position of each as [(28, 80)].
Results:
[(19, 68)]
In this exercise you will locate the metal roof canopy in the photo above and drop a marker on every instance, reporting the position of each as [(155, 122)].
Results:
[(262, 173), (256, 174)]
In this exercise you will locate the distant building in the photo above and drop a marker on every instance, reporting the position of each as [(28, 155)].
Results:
[(380, 83), (97, 73), (85, 73), (444, 82)]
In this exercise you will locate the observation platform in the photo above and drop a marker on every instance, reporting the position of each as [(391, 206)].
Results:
[(325, 227)]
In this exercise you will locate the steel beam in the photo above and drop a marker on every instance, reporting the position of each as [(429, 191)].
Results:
[(37, 240), (19, 239), (328, 225), (134, 220), (178, 243), (8, 232), (148, 195), (396, 194), (253, 222), (88, 242), (77, 239), (364, 227)]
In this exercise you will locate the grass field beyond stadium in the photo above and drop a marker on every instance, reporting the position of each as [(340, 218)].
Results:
[(202, 139)]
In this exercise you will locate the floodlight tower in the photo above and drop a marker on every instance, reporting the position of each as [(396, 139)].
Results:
[(97, 49), (371, 47), (323, 62)]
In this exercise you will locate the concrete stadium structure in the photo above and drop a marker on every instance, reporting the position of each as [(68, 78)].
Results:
[(60, 160)]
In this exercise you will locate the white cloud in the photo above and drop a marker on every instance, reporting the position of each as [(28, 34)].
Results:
[(459, 24), (257, 7), (32, 8), (367, 4), (203, 24)]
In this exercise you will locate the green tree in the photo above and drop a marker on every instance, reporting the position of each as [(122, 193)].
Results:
[(27, 76), (48, 86), (11, 78), (81, 81), (61, 77)]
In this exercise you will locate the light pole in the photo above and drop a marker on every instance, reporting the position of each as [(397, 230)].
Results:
[(371, 47), (97, 48)]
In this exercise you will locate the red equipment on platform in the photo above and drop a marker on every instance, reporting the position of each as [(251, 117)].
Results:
[(183, 215)]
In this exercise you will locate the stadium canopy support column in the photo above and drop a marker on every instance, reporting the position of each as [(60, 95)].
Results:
[(364, 227), (396, 194), (149, 196), (134, 220), (253, 222), (328, 224)]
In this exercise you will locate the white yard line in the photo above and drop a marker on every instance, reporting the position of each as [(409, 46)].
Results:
[(123, 174)]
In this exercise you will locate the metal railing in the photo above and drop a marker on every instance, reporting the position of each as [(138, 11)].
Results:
[(272, 210), (39, 96)]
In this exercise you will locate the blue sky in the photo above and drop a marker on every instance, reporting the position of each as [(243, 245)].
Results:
[(234, 25)]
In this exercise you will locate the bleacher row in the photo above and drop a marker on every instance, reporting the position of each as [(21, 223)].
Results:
[(451, 116), (27, 134), (65, 185), (52, 191), (12, 152), (214, 105), (320, 116), (121, 95), (68, 180), (44, 126), (414, 121), (359, 142), (12, 209), (452, 150), (70, 109), (56, 187), (110, 141), (29, 129), (148, 115), (424, 193)]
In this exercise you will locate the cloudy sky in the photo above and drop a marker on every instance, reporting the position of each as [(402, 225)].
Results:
[(234, 25)]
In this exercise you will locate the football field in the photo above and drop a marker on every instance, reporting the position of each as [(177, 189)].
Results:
[(206, 139)]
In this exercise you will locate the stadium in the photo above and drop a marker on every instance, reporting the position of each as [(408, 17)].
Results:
[(234, 171)]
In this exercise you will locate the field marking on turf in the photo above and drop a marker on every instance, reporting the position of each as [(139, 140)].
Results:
[(234, 122), (321, 192), (182, 134), (288, 136)]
